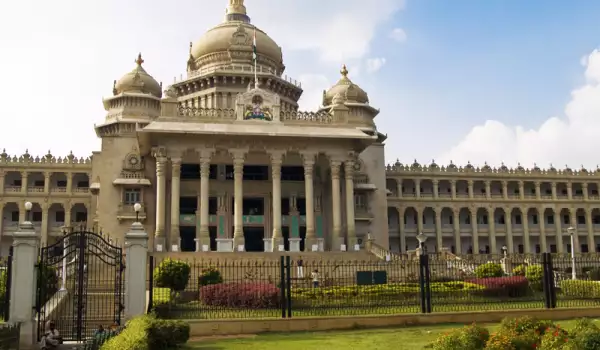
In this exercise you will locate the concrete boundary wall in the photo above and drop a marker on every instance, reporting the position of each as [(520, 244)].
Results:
[(200, 328)]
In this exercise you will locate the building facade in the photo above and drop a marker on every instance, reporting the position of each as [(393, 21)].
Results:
[(471, 210), (223, 160)]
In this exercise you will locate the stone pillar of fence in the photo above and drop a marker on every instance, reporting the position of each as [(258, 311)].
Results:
[(136, 247), (22, 292)]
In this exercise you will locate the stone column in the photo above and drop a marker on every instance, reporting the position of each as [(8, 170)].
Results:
[(24, 179), (2, 177), (492, 226), (558, 234), (401, 229), (436, 189), (238, 180), (474, 230), (175, 236), (509, 235), (456, 220), (277, 238), (136, 246), (47, 182), (26, 244), (470, 184), (584, 188), (159, 235), (311, 238), (526, 240), (419, 219), (417, 188), (521, 190), (538, 190), (438, 229), (204, 235), (543, 243), (573, 219), (44, 228), (505, 189), (69, 182), (488, 189), (554, 194), (351, 239), (68, 207), (453, 188), (569, 191), (2, 204), (590, 228), (338, 238)]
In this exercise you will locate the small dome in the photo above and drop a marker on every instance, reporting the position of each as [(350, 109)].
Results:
[(503, 167), (469, 166), (347, 89), (519, 167), (451, 166), (552, 168), (486, 167), (415, 165), (536, 168), (433, 164), (138, 81)]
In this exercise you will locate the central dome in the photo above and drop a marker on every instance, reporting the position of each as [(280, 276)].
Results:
[(232, 42)]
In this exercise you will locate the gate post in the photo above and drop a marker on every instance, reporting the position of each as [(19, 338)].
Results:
[(23, 290), (136, 248)]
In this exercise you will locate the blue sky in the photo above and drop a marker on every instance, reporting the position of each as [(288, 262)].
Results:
[(473, 80)]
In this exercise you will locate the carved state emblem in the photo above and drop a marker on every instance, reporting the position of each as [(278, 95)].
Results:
[(257, 111)]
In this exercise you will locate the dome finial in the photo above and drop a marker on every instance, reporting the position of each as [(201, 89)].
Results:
[(344, 71), (139, 60), (236, 7)]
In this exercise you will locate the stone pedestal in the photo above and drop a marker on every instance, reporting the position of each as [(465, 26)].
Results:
[(225, 245), (136, 246), (160, 244), (203, 244), (239, 242), (295, 244), (311, 243), (268, 244), (22, 292), (277, 244), (353, 245)]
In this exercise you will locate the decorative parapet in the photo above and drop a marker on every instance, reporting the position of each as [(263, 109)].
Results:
[(451, 169), (321, 117), (48, 160), (207, 113), (238, 68)]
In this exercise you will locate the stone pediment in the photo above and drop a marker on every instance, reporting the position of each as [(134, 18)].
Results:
[(258, 105)]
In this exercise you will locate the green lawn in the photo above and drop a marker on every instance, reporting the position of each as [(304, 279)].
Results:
[(396, 338)]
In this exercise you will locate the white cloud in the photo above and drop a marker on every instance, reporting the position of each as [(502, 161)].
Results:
[(375, 64), (398, 34), (73, 69), (573, 139), (313, 86)]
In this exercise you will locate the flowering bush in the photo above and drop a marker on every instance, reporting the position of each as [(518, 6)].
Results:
[(488, 270), (500, 341), (472, 337), (519, 270), (512, 287), (555, 338), (521, 325), (241, 294)]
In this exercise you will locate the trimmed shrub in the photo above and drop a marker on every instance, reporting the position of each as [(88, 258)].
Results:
[(471, 337), (535, 274), (580, 289), (148, 333), (522, 325), (3, 281), (172, 274), (488, 270), (241, 294), (503, 287), (210, 276), (519, 270)]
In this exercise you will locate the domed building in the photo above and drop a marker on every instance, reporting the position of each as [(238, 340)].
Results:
[(224, 160)]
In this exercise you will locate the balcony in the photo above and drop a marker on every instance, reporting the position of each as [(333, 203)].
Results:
[(12, 189), (127, 212), (58, 190), (363, 214)]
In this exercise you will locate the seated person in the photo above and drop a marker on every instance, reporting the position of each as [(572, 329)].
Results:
[(51, 339)]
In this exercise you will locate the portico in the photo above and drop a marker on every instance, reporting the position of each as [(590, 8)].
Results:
[(255, 159)]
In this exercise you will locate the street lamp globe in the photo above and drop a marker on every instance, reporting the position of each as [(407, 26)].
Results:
[(137, 207), (421, 238), (28, 206), (571, 230)]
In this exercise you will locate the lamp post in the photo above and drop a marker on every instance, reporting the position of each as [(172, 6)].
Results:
[(571, 231), (137, 207), (28, 206), (421, 238), (504, 250)]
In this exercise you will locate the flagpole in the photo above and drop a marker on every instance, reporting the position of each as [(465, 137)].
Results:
[(255, 61)]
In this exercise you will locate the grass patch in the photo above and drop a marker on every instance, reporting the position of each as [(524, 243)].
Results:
[(390, 338)]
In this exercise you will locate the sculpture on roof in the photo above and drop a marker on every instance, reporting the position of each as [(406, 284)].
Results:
[(257, 111)]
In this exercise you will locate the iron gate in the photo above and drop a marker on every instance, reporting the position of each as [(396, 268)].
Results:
[(79, 284)]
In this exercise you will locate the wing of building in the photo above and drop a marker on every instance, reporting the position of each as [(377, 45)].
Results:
[(224, 160)]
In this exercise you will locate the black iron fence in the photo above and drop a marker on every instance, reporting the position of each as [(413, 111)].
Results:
[(9, 336), (5, 283), (282, 287)]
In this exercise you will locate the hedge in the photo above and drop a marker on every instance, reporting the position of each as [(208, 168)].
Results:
[(511, 287), (241, 294), (149, 333), (580, 289)]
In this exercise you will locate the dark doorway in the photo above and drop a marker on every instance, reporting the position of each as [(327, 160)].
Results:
[(253, 237), (212, 231), (303, 236), (187, 234), (285, 232)]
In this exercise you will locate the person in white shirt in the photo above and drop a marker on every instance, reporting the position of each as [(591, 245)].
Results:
[(51, 339), (300, 265), (315, 278)]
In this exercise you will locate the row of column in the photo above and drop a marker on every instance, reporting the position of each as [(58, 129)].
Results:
[(492, 229), (238, 156), (47, 176), (488, 191)]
